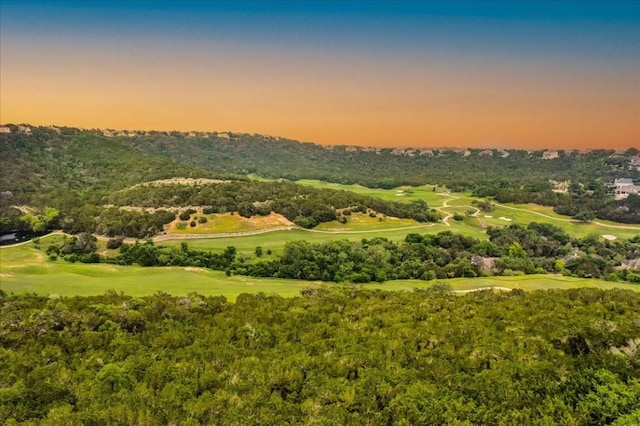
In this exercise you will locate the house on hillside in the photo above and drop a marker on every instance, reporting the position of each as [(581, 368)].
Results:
[(5, 129), (550, 155), (635, 162), (623, 187)]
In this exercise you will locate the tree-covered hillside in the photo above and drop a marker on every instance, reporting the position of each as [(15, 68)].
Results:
[(329, 357), (57, 163)]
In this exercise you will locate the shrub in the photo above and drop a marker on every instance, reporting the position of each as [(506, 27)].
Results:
[(181, 225), (458, 217), (115, 243), (202, 219), (192, 224), (185, 215), (305, 222)]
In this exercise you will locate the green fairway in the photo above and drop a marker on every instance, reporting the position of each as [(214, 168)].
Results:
[(25, 269), (276, 240), (504, 214), (363, 222)]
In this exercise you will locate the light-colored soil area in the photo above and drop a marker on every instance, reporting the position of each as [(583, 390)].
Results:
[(180, 181), (227, 223), (483, 288)]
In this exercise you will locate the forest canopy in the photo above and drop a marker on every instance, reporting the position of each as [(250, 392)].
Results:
[(331, 357)]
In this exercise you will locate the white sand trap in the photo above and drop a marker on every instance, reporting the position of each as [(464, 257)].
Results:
[(504, 218), (400, 195), (488, 216), (609, 237)]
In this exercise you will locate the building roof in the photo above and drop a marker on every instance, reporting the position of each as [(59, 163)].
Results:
[(623, 181)]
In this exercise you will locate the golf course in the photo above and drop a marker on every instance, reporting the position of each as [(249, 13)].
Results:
[(26, 268)]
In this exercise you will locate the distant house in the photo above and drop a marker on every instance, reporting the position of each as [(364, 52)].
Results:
[(635, 162), (466, 153), (486, 152), (5, 129), (550, 155), (623, 187)]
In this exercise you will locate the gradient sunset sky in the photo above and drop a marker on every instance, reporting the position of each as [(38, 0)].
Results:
[(467, 74)]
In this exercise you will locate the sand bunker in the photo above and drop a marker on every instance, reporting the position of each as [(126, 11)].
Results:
[(609, 237), (504, 218), (488, 216)]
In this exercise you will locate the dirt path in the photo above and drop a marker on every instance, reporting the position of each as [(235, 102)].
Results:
[(482, 289), (165, 237), (595, 222), (370, 230)]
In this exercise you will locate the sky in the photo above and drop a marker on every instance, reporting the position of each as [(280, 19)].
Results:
[(505, 74)]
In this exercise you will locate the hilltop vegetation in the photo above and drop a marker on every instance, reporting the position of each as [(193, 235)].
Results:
[(341, 356), (69, 168)]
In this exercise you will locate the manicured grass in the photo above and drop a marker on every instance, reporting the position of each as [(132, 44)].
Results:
[(59, 278), (524, 282), (363, 222), (25, 269), (276, 240), (522, 214)]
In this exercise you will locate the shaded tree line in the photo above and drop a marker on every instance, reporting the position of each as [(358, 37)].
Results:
[(512, 250)]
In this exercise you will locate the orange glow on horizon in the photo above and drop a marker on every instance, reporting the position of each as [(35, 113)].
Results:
[(327, 99)]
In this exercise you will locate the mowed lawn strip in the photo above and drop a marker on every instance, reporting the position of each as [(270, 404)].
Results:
[(24, 269)]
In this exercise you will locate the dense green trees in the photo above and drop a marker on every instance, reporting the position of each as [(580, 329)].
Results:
[(76, 168), (341, 356), (512, 250), (306, 206)]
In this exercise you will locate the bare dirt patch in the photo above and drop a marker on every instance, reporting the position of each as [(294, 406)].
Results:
[(193, 269), (274, 219), (181, 181)]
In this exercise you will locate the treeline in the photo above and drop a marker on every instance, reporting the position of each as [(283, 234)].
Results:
[(40, 168), (306, 206), (339, 356), (384, 168), (513, 250)]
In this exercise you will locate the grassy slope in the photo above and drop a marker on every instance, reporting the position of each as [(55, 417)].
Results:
[(25, 269), (227, 223), (522, 214)]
